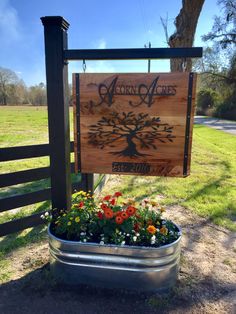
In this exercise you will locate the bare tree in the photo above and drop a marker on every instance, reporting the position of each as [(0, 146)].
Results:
[(8, 78), (224, 28), (136, 130), (186, 24)]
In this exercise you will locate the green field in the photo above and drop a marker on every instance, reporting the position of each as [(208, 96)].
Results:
[(210, 190)]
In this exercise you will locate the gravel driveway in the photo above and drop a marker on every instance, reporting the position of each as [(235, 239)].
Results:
[(219, 124)]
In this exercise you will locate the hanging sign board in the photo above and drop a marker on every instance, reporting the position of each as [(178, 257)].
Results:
[(135, 123)]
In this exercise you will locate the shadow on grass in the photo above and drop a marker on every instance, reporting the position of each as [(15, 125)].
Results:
[(39, 291), (22, 238), (32, 186)]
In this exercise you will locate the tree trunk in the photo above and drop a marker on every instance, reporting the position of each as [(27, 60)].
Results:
[(186, 24), (130, 150)]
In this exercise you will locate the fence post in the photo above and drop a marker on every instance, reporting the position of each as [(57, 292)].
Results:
[(55, 36)]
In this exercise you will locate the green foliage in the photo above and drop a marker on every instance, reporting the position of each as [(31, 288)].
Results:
[(206, 99), (218, 65), (227, 109)]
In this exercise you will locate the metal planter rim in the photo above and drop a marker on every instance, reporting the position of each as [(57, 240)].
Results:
[(93, 244)]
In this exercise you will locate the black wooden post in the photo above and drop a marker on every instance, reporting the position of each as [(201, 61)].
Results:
[(87, 182), (55, 34)]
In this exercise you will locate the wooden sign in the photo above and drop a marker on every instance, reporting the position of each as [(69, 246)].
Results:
[(135, 123)]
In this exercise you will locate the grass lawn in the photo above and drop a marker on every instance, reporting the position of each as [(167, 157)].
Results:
[(210, 190)]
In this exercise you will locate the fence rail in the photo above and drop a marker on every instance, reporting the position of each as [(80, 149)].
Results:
[(29, 151), (21, 224), (8, 179)]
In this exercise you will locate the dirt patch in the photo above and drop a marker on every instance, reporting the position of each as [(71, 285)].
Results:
[(207, 279)]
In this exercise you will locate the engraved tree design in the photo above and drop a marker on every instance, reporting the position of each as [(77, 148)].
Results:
[(137, 130)]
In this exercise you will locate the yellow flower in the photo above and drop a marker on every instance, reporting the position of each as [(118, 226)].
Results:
[(164, 230), (151, 229), (69, 223), (153, 203), (162, 209), (77, 219), (71, 218), (64, 215)]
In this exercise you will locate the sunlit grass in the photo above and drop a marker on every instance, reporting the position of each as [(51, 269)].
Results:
[(209, 191)]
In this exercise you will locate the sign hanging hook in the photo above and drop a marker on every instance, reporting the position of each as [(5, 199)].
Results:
[(84, 65)]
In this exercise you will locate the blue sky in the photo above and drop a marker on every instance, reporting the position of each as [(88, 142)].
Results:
[(93, 24)]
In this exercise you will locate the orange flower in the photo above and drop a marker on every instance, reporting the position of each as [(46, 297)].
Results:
[(104, 207), (106, 198), (117, 213), (108, 213), (117, 194), (131, 210), (151, 229), (119, 220), (164, 230), (124, 215)]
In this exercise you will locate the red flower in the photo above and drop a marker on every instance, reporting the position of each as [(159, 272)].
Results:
[(124, 215), (112, 201), (117, 194), (81, 204), (106, 198), (119, 220), (136, 227), (131, 210), (104, 207), (100, 215), (108, 213)]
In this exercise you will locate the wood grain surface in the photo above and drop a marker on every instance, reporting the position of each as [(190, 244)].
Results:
[(134, 123)]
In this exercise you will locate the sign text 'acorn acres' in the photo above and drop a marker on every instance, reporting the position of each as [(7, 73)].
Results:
[(134, 123)]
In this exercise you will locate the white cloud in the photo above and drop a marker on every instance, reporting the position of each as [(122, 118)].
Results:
[(100, 67), (102, 44), (9, 23)]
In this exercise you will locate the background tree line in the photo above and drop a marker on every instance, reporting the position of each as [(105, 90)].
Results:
[(13, 90)]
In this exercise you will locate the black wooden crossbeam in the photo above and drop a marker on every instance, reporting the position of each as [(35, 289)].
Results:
[(132, 53)]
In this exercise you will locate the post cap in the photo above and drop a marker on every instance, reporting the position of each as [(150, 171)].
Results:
[(55, 20)]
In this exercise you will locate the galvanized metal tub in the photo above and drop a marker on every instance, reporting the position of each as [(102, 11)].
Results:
[(111, 266)]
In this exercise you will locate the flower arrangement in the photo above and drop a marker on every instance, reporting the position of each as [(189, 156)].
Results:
[(111, 221)]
